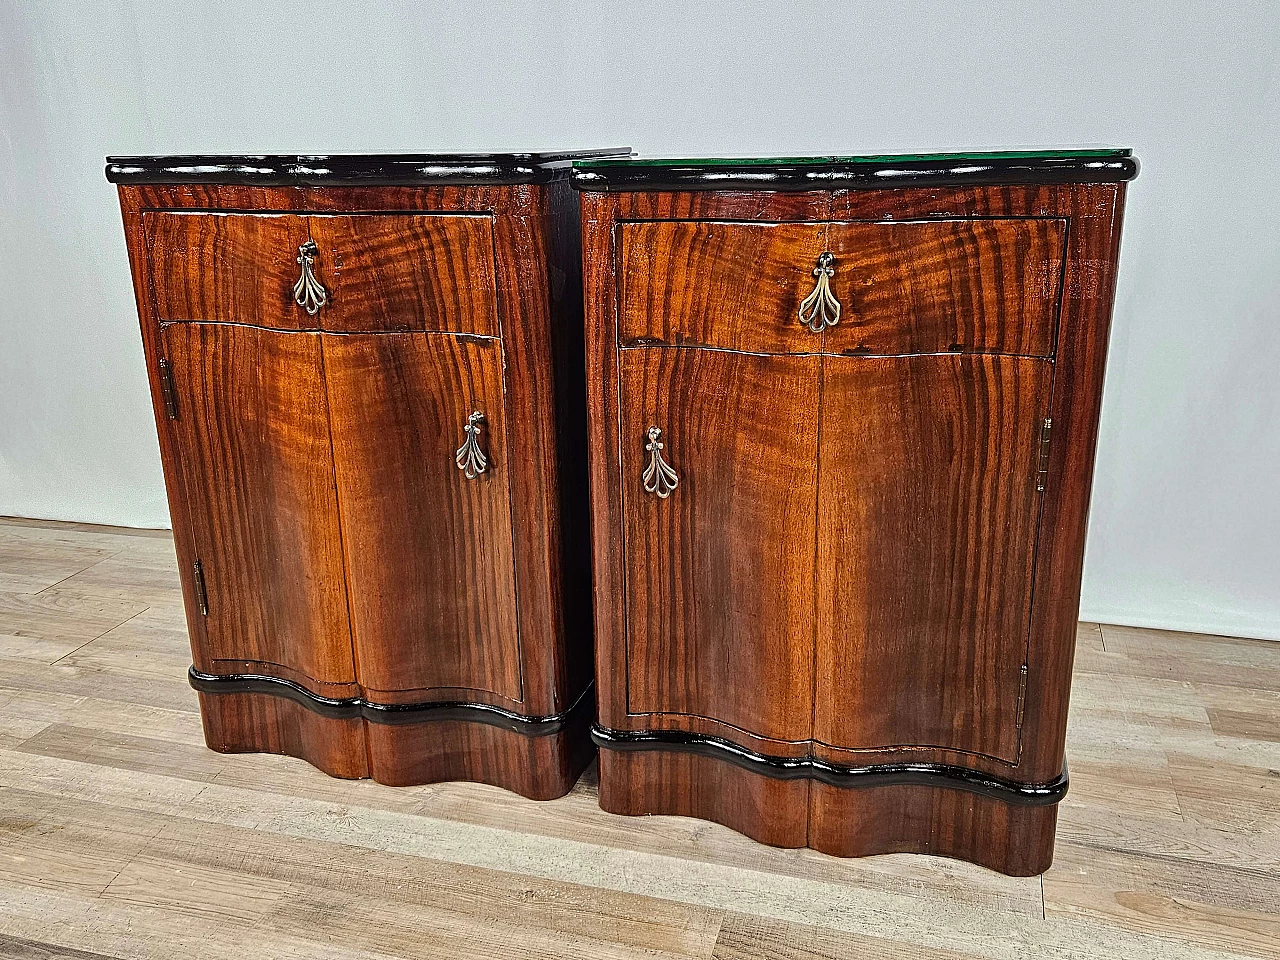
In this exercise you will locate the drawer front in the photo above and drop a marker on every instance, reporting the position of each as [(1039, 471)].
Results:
[(228, 268), (407, 272), (373, 272), (981, 286), (961, 286), (731, 285)]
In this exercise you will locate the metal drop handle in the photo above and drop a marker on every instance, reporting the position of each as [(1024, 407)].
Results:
[(658, 476), (470, 458), (309, 293), (821, 309)]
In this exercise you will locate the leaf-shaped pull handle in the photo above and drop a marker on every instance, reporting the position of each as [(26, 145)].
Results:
[(658, 477), (470, 458), (821, 309), (309, 293)]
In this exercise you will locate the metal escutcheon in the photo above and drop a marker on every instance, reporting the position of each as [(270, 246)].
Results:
[(658, 477), (470, 458), (309, 293), (821, 309)]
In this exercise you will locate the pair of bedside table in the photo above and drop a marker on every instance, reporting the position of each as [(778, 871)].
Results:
[(833, 418)]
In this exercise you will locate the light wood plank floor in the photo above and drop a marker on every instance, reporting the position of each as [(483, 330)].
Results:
[(122, 836)]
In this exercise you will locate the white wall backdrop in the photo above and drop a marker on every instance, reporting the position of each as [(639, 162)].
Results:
[(1185, 526)]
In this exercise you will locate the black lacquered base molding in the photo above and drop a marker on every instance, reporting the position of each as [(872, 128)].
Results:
[(349, 708), (837, 775)]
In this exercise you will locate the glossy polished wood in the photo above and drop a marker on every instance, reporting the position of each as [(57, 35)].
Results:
[(941, 570), (456, 588), (987, 285), (428, 552), (954, 285), (353, 169), (800, 174), (720, 578), (683, 283), (1016, 840), (228, 268), (926, 539), (253, 436), (401, 272)]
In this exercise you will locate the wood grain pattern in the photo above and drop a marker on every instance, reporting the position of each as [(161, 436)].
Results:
[(927, 515), (531, 301), (1093, 251), (232, 268), (428, 552), (540, 768), (1017, 841), (962, 286), (530, 252), (252, 723), (680, 784), (720, 577), (926, 287), (405, 272), (253, 432), (731, 285), (1009, 323)]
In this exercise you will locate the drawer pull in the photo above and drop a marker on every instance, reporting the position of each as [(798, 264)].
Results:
[(309, 293), (470, 459), (658, 477), (821, 309)]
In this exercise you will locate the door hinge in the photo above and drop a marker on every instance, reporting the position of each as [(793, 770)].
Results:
[(202, 597), (168, 390), (1042, 471), (1022, 693)]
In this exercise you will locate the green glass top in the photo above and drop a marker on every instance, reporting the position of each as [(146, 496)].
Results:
[(977, 156)]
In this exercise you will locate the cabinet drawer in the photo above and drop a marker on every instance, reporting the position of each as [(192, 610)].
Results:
[(982, 286), (731, 285), (375, 271), (407, 272), (987, 286), (231, 268)]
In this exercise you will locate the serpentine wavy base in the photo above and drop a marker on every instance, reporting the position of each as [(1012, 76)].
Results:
[(540, 757), (873, 810)]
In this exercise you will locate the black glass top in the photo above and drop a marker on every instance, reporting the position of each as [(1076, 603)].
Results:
[(372, 169), (1079, 165)]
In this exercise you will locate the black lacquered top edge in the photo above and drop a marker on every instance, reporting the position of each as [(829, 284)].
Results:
[(372, 169), (859, 173)]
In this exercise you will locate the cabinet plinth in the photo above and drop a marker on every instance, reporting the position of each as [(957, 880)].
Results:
[(845, 618), (367, 382)]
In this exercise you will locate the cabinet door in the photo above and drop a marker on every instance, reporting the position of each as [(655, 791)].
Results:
[(719, 574), (927, 519), (253, 432), (428, 549)]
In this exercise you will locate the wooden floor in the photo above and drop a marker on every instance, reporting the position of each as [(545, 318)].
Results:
[(122, 836)]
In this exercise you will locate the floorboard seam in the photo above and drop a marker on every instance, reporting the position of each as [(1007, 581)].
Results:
[(99, 636)]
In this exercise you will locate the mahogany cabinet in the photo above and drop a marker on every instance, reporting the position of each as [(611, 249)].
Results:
[(842, 417), (367, 379)]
